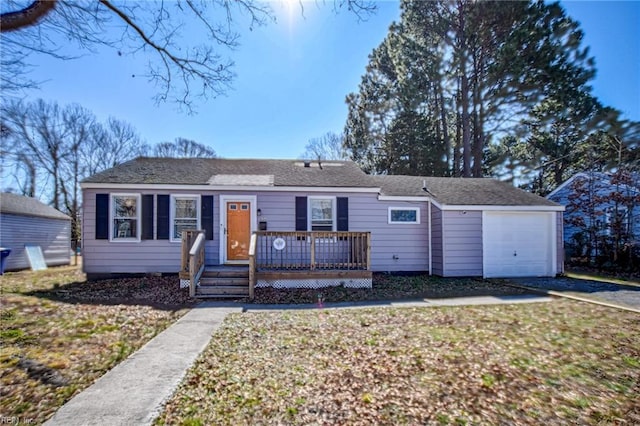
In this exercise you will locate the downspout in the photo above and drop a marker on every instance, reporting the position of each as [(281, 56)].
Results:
[(430, 233)]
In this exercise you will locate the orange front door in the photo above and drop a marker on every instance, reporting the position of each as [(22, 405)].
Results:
[(238, 230)]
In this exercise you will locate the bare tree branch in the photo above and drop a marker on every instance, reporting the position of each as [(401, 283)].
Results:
[(182, 70), (30, 15)]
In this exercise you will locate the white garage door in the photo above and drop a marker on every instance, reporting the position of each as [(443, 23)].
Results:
[(518, 244)]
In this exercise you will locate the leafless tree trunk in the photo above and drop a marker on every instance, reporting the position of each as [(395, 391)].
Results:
[(464, 91), (444, 124)]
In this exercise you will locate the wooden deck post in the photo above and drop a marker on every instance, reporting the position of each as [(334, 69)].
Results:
[(252, 265), (313, 251), (368, 266)]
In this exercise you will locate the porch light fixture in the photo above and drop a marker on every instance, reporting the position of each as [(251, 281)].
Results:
[(259, 212)]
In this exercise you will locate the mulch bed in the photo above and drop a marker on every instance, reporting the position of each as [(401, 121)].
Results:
[(391, 287), (156, 291)]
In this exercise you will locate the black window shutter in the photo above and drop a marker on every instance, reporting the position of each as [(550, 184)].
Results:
[(147, 217), (206, 215), (102, 216), (301, 213), (163, 217), (343, 213)]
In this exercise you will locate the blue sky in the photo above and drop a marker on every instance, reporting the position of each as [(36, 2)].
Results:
[(293, 76)]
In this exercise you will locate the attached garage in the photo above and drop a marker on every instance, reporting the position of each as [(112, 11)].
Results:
[(484, 227), (519, 244)]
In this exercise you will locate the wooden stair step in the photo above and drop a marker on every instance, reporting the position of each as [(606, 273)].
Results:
[(226, 274), (223, 291), (244, 281)]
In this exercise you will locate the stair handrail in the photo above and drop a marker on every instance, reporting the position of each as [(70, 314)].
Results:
[(196, 263), (252, 264)]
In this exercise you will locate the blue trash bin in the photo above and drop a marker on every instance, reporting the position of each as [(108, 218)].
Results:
[(4, 253)]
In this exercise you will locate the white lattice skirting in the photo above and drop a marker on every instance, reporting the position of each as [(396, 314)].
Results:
[(316, 283), (185, 283)]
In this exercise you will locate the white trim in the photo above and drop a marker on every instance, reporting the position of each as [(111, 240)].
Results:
[(172, 213), (561, 221), (165, 187), (334, 207), (402, 198), (138, 197), (391, 222), (444, 240), (484, 244), (470, 206), (500, 208), (566, 183), (223, 200), (554, 244), (430, 237)]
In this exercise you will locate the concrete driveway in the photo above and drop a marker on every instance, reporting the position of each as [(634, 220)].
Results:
[(625, 295)]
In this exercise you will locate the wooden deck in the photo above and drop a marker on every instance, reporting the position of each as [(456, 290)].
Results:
[(277, 256)]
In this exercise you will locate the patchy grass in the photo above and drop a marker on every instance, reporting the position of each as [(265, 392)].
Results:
[(562, 362), (59, 333), (391, 287)]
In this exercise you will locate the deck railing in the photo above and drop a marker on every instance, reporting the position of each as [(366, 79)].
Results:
[(252, 265), (192, 263), (312, 250)]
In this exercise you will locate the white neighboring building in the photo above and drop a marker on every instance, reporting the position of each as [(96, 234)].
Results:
[(25, 220)]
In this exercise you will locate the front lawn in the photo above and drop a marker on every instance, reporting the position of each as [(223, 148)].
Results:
[(59, 333), (562, 362)]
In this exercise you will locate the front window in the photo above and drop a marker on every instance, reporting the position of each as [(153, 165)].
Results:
[(322, 214), (184, 215), (404, 215), (125, 217)]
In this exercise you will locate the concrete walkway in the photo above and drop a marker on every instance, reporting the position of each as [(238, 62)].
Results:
[(134, 392), (416, 303)]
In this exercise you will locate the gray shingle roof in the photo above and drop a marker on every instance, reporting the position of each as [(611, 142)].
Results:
[(201, 171), (27, 206), (292, 173), (461, 191)]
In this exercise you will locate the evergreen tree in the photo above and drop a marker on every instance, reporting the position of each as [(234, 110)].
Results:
[(460, 74)]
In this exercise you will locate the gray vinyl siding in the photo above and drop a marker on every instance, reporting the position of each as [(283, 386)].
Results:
[(409, 242), (146, 256), (560, 242), (52, 235), (462, 241), (436, 240)]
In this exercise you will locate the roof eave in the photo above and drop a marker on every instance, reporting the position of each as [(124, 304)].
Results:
[(205, 187)]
